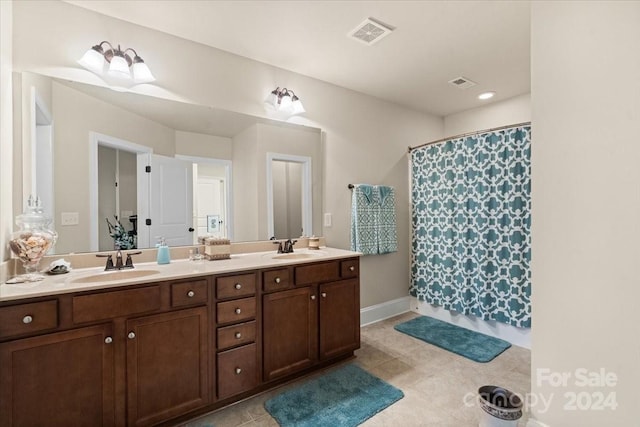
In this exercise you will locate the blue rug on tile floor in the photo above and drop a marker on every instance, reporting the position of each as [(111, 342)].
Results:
[(345, 397), (472, 345)]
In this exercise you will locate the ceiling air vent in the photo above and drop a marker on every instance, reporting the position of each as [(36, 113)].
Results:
[(462, 83), (370, 31)]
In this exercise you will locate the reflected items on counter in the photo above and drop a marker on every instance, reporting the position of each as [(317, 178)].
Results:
[(216, 248)]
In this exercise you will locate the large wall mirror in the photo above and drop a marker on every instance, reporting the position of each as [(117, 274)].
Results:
[(160, 167)]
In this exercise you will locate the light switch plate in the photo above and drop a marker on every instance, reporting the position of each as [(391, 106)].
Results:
[(69, 218), (327, 220)]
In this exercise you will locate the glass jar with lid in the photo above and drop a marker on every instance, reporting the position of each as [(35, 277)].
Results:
[(33, 239)]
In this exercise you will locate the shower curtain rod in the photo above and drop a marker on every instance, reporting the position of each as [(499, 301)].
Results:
[(462, 135)]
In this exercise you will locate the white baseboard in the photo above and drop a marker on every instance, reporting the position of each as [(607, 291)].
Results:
[(385, 310)]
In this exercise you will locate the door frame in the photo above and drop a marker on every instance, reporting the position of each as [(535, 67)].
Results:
[(307, 195), (228, 185), (142, 154)]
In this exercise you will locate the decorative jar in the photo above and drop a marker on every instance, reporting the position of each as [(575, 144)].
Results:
[(33, 239)]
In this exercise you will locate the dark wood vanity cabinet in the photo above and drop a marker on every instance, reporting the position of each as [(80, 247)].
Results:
[(59, 379), (316, 320), (158, 353), (167, 369)]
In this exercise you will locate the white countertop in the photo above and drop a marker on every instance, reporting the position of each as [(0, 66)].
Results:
[(177, 269)]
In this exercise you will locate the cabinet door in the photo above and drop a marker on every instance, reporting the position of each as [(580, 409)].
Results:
[(60, 379), (167, 368), (339, 318), (290, 331)]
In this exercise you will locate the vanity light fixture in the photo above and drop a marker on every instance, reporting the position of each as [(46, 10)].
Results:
[(284, 100), (486, 95), (116, 63)]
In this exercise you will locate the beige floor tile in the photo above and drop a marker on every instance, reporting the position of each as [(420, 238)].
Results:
[(439, 386)]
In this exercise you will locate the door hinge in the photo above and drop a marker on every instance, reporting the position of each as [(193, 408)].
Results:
[(147, 169), (148, 221)]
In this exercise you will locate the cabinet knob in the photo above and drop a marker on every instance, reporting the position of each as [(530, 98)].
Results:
[(238, 335), (324, 295), (313, 297), (238, 371), (277, 280), (108, 340), (352, 268), (131, 335), (191, 294), (238, 286), (238, 311), (27, 319)]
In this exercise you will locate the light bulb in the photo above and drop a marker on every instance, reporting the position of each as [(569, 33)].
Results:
[(141, 73), (93, 60), (119, 67)]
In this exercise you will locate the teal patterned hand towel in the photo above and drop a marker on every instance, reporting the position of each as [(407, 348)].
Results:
[(373, 219)]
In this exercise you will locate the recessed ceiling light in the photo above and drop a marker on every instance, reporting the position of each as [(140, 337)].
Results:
[(486, 95)]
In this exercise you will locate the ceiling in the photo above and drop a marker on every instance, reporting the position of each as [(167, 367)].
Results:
[(433, 42)]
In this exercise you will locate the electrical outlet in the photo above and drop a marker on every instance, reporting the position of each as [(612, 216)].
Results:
[(327, 220), (69, 218)]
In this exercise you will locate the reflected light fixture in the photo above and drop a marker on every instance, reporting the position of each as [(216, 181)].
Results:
[(285, 101), (116, 63), (486, 95)]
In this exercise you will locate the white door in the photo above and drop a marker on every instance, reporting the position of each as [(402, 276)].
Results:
[(211, 207), (171, 200)]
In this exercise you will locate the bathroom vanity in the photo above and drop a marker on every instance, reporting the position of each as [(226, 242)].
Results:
[(184, 339)]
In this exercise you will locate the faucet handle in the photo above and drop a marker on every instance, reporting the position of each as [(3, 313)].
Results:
[(129, 262), (109, 258), (281, 248)]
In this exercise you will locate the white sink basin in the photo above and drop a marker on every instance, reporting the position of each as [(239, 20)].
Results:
[(111, 276), (297, 255)]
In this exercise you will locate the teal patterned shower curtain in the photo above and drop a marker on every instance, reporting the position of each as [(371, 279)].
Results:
[(471, 225)]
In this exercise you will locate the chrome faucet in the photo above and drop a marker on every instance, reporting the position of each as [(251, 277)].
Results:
[(119, 265)]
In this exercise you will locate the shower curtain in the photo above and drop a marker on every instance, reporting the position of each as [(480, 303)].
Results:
[(471, 222)]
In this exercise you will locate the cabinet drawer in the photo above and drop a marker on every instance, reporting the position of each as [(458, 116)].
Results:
[(240, 285), (235, 335), (275, 280), (349, 268), (316, 273), (237, 310), (188, 293), (237, 370), (28, 318), (107, 305)]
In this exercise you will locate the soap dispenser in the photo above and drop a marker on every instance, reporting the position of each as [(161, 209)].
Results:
[(164, 256)]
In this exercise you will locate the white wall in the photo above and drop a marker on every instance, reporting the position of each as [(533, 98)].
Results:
[(495, 114), (500, 113), (586, 206), (200, 145), (6, 129)]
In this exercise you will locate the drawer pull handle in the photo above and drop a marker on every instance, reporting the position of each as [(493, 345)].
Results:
[(324, 294), (352, 268), (131, 335), (27, 319), (238, 286), (238, 335), (313, 297), (108, 340), (277, 280), (238, 371), (191, 294), (238, 311)]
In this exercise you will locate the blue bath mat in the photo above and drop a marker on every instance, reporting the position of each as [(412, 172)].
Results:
[(472, 345), (343, 398)]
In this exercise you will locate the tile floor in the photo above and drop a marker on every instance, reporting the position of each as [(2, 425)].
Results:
[(434, 381)]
